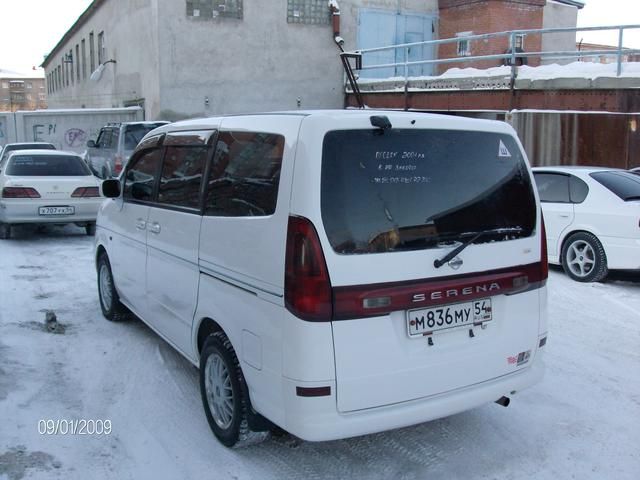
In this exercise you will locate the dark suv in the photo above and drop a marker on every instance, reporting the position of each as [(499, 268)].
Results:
[(108, 155)]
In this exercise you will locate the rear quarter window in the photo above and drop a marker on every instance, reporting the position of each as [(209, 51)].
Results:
[(410, 189), (623, 184), (553, 187)]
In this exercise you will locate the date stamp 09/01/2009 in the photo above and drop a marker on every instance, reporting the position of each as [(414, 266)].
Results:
[(79, 426)]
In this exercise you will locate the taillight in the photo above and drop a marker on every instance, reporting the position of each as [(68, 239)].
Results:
[(544, 258), (86, 192), (307, 288), (117, 166), (19, 192)]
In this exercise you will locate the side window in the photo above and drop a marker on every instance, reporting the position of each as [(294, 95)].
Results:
[(181, 176), (142, 172), (104, 140), (114, 138), (578, 189), (245, 173), (552, 187)]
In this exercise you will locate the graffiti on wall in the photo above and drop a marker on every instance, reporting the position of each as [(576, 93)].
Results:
[(75, 137)]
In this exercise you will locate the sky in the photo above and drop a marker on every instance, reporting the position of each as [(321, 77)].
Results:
[(27, 35)]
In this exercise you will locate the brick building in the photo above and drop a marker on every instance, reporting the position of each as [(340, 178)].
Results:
[(19, 91), (461, 18)]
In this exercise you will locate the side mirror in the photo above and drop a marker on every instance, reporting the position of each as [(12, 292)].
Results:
[(111, 188), (91, 144)]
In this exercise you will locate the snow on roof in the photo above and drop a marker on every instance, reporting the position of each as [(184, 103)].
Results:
[(589, 70)]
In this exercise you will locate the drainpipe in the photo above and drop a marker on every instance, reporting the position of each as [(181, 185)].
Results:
[(334, 8)]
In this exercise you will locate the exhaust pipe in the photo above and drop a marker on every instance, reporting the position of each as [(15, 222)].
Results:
[(504, 401)]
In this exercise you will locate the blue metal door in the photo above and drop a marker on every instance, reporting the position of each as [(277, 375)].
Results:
[(380, 28)]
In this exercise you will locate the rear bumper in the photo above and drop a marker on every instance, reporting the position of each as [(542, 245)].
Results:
[(26, 211), (622, 253), (317, 418)]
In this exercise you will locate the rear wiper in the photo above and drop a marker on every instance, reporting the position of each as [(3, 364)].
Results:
[(474, 236)]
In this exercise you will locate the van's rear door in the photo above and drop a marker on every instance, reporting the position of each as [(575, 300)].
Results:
[(392, 203)]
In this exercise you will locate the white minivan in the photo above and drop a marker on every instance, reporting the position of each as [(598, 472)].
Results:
[(332, 273)]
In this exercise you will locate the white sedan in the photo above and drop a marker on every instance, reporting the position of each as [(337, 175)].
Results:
[(592, 219), (47, 186)]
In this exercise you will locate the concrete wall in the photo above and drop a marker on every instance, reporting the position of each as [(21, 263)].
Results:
[(558, 15), (131, 38), (67, 129), (7, 128), (187, 67)]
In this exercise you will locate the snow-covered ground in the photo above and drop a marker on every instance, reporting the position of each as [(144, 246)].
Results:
[(582, 421)]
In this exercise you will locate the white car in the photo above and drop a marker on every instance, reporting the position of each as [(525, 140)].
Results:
[(334, 273), (592, 218), (47, 186)]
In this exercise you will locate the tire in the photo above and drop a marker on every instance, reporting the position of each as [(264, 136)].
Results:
[(224, 393), (90, 228), (112, 309), (5, 231), (584, 258)]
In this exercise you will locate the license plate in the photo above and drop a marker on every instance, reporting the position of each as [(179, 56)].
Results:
[(426, 321), (56, 210)]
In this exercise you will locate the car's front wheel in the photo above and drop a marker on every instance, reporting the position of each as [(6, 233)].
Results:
[(584, 258), (110, 304)]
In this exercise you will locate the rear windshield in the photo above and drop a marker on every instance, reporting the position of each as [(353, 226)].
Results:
[(413, 189), (624, 184), (134, 133), (47, 166)]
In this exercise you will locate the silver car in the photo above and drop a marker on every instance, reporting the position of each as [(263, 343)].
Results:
[(109, 153)]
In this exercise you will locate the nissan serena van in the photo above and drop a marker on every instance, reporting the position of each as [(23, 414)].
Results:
[(332, 273)]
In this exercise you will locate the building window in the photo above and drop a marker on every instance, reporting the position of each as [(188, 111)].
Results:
[(101, 58), (84, 60), (5, 84), (313, 12), (519, 40), (70, 62), (42, 97), (78, 63), (29, 84), (464, 44), (92, 53), (207, 9)]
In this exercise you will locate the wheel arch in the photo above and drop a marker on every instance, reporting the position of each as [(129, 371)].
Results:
[(568, 235), (100, 250), (207, 326)]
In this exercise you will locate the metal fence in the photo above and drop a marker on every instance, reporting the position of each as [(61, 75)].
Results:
[(512, 57)]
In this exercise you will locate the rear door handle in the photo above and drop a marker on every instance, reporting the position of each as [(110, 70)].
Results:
[(564, 215), (141, 224), (154, 227)]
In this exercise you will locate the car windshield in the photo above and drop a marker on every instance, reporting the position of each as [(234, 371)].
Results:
[(414, 189), (624, 184), (47, 166), (134, 133)]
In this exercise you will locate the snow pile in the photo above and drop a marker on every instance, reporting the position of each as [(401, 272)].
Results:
[(587, 70)]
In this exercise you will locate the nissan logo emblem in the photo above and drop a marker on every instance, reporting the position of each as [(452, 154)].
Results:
[(455, 263)]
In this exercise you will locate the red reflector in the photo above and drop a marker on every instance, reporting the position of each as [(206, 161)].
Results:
[(313, 391), (307, 288), (544, 259), (86, 192), (19, 192)]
